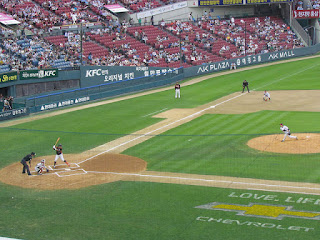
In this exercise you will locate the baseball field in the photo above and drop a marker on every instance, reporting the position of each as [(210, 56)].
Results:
[(210, 165)]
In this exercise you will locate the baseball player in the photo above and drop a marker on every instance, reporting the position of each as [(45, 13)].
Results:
[(177, 89), (266, 96), (40, 167), (24, 162), (245, 84), (287, 132), (59, 154)]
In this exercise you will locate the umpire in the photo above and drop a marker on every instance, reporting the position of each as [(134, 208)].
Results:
[(245, 84), (24, 162)]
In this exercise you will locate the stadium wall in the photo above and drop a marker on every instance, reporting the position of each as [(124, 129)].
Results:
[(251, 60), (97, 82)]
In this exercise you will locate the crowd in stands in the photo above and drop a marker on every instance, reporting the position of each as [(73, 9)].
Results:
[(300, 5), (26, 53), (195, 41), (119, 43)]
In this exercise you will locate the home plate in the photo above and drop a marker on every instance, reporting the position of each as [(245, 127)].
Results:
[(67, 169)]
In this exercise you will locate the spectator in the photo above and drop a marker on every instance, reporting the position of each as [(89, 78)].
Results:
[(10, 100), (6, 105)]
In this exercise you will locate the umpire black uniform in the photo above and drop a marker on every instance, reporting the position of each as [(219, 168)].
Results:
[(245, 84), (24, 163)]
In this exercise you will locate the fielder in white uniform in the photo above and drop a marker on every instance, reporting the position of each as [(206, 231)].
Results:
[(41, 167), (287, 132), (266, 96)]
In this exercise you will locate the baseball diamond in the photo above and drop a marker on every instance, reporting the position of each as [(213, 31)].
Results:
[(150, 164), (108, 159)]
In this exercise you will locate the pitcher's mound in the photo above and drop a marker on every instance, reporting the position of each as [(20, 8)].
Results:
[(306, 143), (84, 171)]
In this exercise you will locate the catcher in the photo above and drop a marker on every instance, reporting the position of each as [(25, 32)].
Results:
[(41, 167), (59, 154)]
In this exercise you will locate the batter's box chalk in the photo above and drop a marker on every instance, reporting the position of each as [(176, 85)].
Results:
[(70, 172)]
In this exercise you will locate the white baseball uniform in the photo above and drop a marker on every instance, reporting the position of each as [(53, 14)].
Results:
[(40, 167), (266, 96), (286, 131)]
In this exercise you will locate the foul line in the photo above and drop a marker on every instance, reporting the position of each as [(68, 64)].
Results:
[(72, 174), (155, 112), (167, 125), (221, 181)]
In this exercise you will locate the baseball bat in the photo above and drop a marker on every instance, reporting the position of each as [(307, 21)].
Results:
[(57, 141)]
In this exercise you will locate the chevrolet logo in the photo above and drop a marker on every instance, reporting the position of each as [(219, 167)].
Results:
[(263, 211)]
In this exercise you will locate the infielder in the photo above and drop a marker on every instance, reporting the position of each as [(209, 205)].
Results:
[(40, 167), (177, 89), (59, 154), (266, 96), (287, 132)]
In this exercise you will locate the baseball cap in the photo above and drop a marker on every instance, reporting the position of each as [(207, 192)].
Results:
[(33, 153)]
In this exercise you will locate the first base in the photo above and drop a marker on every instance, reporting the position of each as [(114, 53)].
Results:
[(67, 169)]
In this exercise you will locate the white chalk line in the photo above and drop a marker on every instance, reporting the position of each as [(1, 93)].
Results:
[(155, 112), (208, 180), (167, 125), (201, 180), (72, 174)]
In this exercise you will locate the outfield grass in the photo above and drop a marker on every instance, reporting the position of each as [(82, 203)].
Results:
[(216, 145), (132, 210), (136, 210)]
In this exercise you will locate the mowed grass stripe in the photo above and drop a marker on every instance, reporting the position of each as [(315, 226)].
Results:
[(203, 126), (224, 154), (289, 76)]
